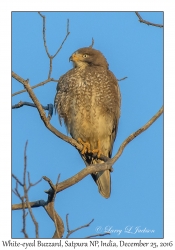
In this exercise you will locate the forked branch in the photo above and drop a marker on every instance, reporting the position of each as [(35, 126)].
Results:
[(45, 43)]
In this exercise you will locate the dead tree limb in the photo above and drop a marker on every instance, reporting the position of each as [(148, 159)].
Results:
[(141, 20), (36, 86), (69, 232), (45, 43), (47, 205), (49, 107)]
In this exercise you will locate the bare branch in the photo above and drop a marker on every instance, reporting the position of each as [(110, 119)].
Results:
[(24, 199), (24, 220), (33, 204), (35, 86), (49, 107), (56, 219), (45, 44), (54, 213), (69, 232), (68, 32), (141, 20), (17, 180), (135, 134), (82, 174), (49, 207), (32, 184), (92, 44), (26, 193), (121, 79), (67, 223), (96, 235), (44, 34), (25, 164)]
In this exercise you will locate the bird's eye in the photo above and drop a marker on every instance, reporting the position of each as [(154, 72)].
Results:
[(85, 55)]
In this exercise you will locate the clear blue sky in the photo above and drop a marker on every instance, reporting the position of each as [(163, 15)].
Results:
[(132, 49)]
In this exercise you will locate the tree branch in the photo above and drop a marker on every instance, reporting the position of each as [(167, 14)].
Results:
[(92, 44), (96, 235), (47, 205), (26, 193), (35, 86), (135, 134), (121, 79), (141, 20), (45, 44), (69, 232), (49, 107), (67, 34)]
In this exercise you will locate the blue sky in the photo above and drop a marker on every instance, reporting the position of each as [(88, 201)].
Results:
[(132, 49)]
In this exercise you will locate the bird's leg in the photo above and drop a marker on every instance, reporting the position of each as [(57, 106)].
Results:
[(97, 150), (86, 146)]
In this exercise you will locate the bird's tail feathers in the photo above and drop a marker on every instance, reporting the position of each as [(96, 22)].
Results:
[(103, 181)]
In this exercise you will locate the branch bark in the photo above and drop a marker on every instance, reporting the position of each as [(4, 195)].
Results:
[(36, 86), (141, 20), (45, 43)]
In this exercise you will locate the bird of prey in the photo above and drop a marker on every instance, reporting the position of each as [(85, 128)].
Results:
[(88, 100)]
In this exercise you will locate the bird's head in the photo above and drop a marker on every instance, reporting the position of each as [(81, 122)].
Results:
[(88, 57)]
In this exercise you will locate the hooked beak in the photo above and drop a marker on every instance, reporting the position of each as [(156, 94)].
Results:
[(74, 57), (70, 58)]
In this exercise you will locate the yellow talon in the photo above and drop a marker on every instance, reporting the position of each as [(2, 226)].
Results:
[(86, 146), (97, 150)]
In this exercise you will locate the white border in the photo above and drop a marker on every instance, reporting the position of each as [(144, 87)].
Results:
[(5, 98)]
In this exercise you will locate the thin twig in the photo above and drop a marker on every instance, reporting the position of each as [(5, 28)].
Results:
[(67, 34), (121, 79), (135, 134), (81, 175), (44, 34), (49, 107), (67, 223), (36, 86), (17, 180), (26, 193), (54, 213), (49, 207), (69, 232), (141, 20), (32, 184), (92, 44), (24, 220), (96, 235), (45, 44)]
